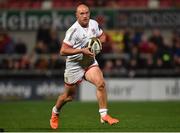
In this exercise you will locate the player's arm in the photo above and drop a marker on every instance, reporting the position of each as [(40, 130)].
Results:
[(100, 33), (102, 37), (68, 50)]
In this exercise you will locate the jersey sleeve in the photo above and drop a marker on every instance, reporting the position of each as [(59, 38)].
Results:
[(99, 30), (70, 37)]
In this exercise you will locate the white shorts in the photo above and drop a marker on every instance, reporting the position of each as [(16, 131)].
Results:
[(74, 73)]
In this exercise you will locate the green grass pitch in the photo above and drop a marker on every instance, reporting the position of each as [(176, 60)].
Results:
[(30, 116)]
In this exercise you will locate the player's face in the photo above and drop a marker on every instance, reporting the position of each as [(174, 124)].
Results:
[(83, 15)]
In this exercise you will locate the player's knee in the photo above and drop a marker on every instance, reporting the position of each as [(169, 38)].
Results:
[(101, 85), (66, 98), (69, 98)]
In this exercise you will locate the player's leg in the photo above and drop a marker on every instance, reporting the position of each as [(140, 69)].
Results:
[(95, 76), (67, 96), (72, 78), (61, 101)]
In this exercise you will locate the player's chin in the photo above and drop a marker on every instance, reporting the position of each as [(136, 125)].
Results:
[(85, 22)]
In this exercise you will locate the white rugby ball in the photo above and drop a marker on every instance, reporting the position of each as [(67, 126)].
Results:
[(95, 45)]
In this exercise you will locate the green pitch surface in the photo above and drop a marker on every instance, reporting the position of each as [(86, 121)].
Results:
[(83, 116)]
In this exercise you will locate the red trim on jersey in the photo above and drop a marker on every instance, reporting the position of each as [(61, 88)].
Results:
[(78, 82), (68, 84), (101, 35), (67, 45)]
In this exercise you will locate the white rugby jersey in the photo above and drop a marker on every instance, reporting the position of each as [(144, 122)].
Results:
[(77, 37)]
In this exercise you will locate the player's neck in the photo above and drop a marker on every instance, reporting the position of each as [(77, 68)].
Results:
[(84, 26)]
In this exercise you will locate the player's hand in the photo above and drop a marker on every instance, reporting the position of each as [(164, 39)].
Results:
[(87, 52)]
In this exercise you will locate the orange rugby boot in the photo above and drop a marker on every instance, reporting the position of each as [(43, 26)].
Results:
[(54, 120), (109, 120)]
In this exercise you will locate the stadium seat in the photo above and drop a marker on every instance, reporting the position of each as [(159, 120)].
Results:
[(36, 5), (13, 5), (25, 5), (57, 4), (166, 3), (176, 3)]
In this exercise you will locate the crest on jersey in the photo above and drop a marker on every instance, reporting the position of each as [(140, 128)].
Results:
[(93, 31), (84, 36)]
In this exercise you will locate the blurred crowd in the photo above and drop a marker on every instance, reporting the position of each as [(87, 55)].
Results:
[(140, 51), (14, 53), (125, 50), (58, 4)]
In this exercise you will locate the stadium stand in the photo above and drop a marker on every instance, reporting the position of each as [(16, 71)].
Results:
[(37, 4), (128, 52)]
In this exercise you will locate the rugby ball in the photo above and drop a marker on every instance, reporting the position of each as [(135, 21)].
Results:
[(95, 45)]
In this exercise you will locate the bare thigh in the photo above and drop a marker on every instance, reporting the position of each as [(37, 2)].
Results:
[(94, 75)]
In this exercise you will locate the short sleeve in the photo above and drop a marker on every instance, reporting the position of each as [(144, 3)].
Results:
[(70, 37), (99, 30)]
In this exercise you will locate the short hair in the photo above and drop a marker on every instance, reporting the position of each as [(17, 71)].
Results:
[(81, 3)]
